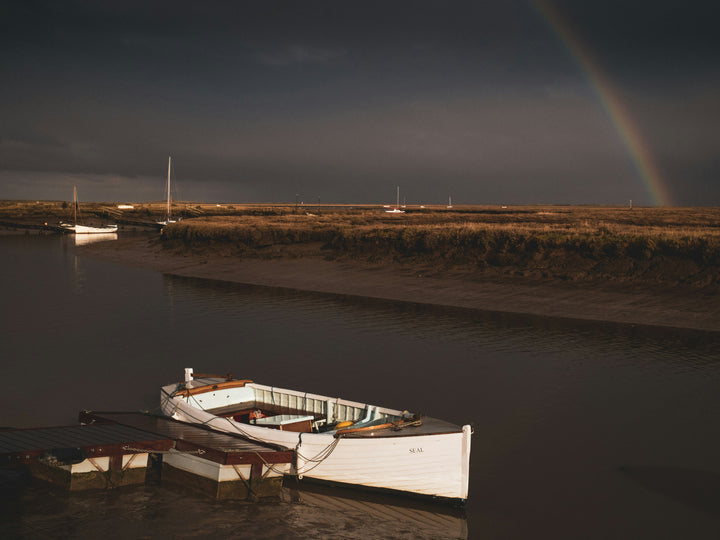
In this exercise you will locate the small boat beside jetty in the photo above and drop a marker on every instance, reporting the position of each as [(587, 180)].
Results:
[(335, 440)]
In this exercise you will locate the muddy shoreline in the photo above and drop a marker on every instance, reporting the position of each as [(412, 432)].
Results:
[(676, 307)]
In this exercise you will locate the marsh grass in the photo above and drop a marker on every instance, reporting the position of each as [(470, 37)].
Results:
[(667, 246), (662, 246)]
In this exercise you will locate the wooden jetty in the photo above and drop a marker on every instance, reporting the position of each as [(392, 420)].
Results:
[(40, 227), (83, 457), (113, 449), (220, 465)]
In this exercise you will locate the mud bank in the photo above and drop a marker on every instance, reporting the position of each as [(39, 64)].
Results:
[(672, 307)]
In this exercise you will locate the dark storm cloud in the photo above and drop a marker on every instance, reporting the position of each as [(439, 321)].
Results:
[(345, 100), (649, 36)]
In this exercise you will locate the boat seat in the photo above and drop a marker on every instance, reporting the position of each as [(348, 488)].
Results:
[(286, 422), (319, 423)]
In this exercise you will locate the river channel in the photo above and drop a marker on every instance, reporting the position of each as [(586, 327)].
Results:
[(582, 429)]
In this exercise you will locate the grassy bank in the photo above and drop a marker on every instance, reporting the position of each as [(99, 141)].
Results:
[(668, 246)]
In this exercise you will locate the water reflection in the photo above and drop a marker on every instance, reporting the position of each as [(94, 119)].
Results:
[(614, 344), (78, 275), (396, 517), (84, 239), (559, 406), (34, 509), (695, 488)]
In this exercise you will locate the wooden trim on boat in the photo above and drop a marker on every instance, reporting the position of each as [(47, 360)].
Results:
[(185, 392), (347, 431), (395, 425)]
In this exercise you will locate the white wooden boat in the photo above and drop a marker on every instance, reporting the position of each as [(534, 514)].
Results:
[(168, 213), (396, 209), (85, 229), (335, 440)]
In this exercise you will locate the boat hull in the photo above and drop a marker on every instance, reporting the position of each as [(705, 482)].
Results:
[(429, 464), (84, 229)]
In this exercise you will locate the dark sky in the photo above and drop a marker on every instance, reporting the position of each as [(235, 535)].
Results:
[(501, 102)]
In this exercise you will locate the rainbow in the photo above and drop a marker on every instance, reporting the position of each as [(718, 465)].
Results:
[(610, 100)]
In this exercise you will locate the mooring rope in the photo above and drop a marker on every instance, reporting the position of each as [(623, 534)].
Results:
[(315, 460), (319, 457), (271, 467)]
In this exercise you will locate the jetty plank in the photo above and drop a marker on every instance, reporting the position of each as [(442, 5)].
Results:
[(223, 448), (216, 464), (25, 446)]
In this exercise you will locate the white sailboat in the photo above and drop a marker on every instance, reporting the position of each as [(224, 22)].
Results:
[(335, 440), (396, 210), (168, 214), (85, 229)]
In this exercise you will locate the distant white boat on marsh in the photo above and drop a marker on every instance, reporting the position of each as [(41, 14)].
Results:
[(77, 228), (168, 213), (396, 208)]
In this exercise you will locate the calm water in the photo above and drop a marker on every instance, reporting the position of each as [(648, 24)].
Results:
[(582, 430)]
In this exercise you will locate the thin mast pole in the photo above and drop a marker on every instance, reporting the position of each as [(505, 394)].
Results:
[(75, 205), (168, 189)]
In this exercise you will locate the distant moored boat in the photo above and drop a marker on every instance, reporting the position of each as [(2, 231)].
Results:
[(396, 209), (168, 214), (85, 229)]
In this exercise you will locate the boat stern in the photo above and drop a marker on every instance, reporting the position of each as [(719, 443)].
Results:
[(467, 431)]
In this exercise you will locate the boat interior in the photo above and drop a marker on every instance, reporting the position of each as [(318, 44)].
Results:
[(286, 412), (247, 402), (290, 410)]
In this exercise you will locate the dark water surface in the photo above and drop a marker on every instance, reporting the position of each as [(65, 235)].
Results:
[(582, 430)]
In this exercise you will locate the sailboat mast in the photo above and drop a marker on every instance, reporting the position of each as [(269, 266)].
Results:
[(75, 205), (397, 202), (168, 187)]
